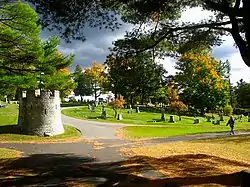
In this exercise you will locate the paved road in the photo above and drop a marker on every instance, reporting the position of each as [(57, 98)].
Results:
[(92, 129)]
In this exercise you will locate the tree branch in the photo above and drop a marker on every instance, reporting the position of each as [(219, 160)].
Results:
[(237, 4), (238, 39), (236, 11), (189, 27)]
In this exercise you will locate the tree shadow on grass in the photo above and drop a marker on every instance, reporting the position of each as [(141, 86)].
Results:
[(99, 117), (69, 170), (10, 129)]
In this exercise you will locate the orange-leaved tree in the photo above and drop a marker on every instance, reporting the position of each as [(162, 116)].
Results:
[(175, 105), (201, 81), (97, 77), (116, 104)]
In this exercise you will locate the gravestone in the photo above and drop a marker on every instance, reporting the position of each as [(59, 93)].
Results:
[(248, 118), (93, 107), (104, 113), (171, 119), (213, 118), (217, 122), (119, 117), (130, 109), (162, 114), (137, 110), (221, 117), (240, 117), (179, 118), (196, 121)]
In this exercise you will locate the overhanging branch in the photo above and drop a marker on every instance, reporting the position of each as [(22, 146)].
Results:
[(236, 11), (214, 25)]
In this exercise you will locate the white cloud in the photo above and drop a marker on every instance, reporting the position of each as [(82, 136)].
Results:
[(195, 14)]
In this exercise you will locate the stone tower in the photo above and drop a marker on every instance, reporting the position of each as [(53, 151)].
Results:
[(40, 114)]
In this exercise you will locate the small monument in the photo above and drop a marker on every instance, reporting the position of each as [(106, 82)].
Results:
[(119, 117), (162, 114), (196, 121), (89, 106), (130, 109), (104, 113), (217, 122), (137, 110), (248, 118), (93, 107), (221, 117), (179, 118), (171, 119), (209, 119)]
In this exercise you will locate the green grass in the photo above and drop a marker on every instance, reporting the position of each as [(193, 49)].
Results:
[(9, 132), (183, 127)]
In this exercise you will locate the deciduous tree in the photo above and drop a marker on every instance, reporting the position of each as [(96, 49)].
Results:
[(201, 84), (83, 87), (97, 77)]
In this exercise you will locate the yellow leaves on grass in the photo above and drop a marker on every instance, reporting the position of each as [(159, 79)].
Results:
[(197, 158)]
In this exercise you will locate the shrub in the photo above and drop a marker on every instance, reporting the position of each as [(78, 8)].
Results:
[(238, 111), (228, 110), (178, 107), (116, 104)]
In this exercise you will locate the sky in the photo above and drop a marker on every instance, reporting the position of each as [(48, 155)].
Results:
[(95, 48)]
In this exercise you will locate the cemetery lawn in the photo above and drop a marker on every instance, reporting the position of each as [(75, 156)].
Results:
[(200, 158), (183, 127), (10, 133)]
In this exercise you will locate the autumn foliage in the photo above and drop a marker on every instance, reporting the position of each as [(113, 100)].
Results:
[(204, 69), (202, 83), (178, 106), (117, 103)]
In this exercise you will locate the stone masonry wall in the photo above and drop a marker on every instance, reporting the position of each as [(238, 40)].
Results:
[(40, 115)]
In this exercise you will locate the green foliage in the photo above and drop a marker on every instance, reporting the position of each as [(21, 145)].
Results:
[(75, 16), (20, 45), (160, 95), (228, 110), (202, 85), (239, 111), (83, 83), (135, 76), (242, 94), (96, 77)]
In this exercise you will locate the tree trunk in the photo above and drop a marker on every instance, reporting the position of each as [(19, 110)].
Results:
[(202, 111), (95, 95), (131, 100), (115, 113)]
